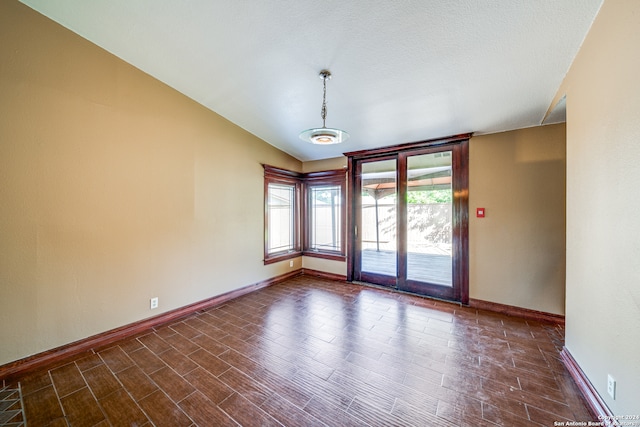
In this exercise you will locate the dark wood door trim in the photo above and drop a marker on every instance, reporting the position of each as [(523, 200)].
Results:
[(461, 222), (394, 149), (459, 145)]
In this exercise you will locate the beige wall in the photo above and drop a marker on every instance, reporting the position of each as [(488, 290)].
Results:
[(517, 252), (603, 230), (114, 189), (325, 164)]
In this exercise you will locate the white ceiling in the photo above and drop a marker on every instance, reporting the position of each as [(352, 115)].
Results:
[(403, 71)]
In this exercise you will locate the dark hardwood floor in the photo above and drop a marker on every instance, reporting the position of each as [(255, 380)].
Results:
[(312, 352)]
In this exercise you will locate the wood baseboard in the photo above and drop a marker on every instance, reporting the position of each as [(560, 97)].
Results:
[(595, 404), (58, 354), (524, 313), (324, 275)]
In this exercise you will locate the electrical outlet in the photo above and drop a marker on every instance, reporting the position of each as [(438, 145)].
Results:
[(154, 303), (290, 263), (611, 386)]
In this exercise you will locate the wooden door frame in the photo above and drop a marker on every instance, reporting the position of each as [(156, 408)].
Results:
[(356, 214), (459, 145)]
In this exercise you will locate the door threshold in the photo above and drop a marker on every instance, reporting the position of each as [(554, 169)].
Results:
[(391, 289)]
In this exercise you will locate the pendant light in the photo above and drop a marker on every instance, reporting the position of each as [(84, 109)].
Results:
[(324, 135)]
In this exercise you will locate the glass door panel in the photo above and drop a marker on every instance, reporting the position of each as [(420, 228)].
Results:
[(378, 229), (410, 217), (429, 218)]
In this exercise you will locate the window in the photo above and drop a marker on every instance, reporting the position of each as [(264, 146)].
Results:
[(324, 218), (325, 214), (282, 214), (304, 214), (281, 206)]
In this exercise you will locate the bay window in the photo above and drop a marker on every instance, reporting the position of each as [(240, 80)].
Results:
[(304, 214)]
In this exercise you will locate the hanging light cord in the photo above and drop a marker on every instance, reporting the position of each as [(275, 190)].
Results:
[(323, 135), (323, 112)]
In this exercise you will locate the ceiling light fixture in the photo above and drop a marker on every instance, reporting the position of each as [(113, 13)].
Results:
[(324, 135)]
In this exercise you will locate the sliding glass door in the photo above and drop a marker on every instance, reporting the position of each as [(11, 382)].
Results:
[(410, 221), (428, 232), (378, 219)]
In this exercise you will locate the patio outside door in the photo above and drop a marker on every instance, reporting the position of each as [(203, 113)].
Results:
[(410, 211), (378, 236)]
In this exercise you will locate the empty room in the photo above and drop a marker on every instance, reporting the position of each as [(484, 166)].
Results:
[(417, 213)]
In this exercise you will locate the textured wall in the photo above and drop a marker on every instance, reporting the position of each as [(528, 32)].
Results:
[(115, 189), (603, 231), (517, 252)]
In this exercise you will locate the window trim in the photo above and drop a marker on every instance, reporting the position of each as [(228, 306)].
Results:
[(302, 211), (279, 176), (336, 177)]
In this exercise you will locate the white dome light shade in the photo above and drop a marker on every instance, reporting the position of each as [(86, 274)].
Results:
[(324, 136)]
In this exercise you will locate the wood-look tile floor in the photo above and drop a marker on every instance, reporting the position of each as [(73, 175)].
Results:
[(312, 352)]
